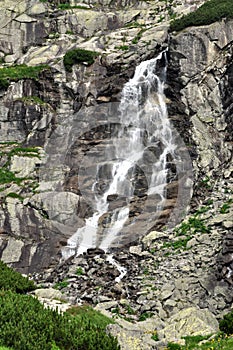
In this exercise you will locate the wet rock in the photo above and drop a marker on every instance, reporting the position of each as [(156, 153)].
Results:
[(95, 251)]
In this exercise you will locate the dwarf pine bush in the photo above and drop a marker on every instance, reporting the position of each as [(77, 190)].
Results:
[(210, 12), (14, 281), (17, 72), (78, 56), (226, 324), (25, 324)]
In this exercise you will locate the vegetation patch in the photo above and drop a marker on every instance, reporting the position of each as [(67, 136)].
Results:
[(13, 280), (134, 25), (226, 324), (14, 195), (193, 225), (122, 47), (68, 6), (61, 285), (145, 315), (179, 244), (25, 324), (18, 72), (7, 176), (219, 342), (88, 313), (138, 36), (78, 56), (79, 271), (210, 12), (187, 229), (226, 206), (23, 152)]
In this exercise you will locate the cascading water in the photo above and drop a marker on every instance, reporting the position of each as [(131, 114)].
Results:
[(145, 130)]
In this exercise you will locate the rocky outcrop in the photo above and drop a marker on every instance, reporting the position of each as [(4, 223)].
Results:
[(166, 273), (189, 322), (199, 84), (200, 97)]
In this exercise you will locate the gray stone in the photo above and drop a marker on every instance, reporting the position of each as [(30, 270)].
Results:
[(24, 18), (228, 224), (152, 236), (190, 321), (106, 305), (13, 251), (49, 293), (37, 9)]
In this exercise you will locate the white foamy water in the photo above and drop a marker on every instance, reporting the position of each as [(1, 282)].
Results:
[(144, 123)]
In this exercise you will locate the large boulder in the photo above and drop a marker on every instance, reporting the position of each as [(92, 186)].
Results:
[(189, 322)]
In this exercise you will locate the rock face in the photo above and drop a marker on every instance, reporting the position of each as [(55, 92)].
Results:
[(203, 80), (31, 109), (204, 105), (169, 269)]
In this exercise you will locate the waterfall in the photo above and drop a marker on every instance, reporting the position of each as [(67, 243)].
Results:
[(139, 151)]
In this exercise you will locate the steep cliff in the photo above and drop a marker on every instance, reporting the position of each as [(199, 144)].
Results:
[(36, 33), (191, 265)]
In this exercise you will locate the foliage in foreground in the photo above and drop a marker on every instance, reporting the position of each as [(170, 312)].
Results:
[(226, 324), (13, 281), (210, 12), (17, 72), (25, 324), (78, 56), (88, 313), (35, 327), (220, 342)]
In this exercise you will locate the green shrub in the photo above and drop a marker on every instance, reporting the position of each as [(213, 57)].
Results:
[(78, 56), (13, 280), (7, 176), (226, 324), (226, 206), (25, 152), (122, 47), (25, 324), (138, 36), (68, 6), (155, 336), (20, 151), (61, 284), (179, 244), (145, 315), (219, 342), (14, 195), (95, 318), (17, 72), (79, 271), (211, 11), (193, 225)]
